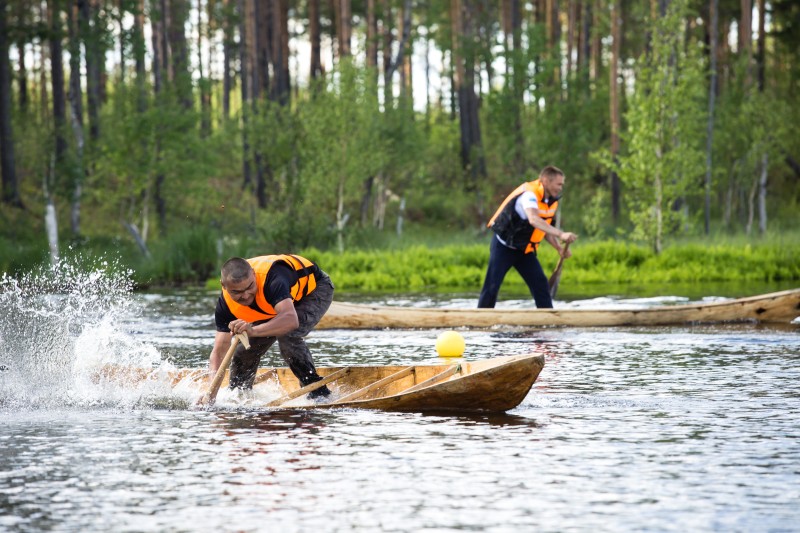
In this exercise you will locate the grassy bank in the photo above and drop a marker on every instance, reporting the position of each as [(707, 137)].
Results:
[(463, 266), (428, 262)]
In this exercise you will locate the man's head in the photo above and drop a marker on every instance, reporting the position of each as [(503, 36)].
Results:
[(239, 279), (552, 179)]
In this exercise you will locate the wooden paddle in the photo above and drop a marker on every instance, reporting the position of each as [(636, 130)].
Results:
[(211, 395), (556, 276)]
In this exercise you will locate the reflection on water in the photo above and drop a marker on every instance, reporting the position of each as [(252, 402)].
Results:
[(673, 428)]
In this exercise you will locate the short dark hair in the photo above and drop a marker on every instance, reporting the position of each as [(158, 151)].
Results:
[(550, 172), (235, 270)]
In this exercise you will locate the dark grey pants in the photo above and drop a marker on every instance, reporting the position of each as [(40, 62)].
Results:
[(292, 346)]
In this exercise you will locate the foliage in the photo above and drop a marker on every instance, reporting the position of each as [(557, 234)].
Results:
[(664, 141), (345, 167), (601, 262), (751, 124)]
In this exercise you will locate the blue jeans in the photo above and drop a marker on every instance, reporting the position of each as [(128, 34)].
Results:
[(501, 259)]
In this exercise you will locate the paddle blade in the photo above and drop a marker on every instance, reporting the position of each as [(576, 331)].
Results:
[(555, 278), (553, 282)]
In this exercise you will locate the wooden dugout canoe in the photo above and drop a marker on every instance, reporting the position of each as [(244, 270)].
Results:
[(492, 385), (780, 307)]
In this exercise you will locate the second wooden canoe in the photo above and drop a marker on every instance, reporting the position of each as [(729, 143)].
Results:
[(780, 307)]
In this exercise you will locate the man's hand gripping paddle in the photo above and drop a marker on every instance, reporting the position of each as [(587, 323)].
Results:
[(209, 398)]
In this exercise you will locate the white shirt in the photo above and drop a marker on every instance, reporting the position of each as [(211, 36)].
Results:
[(524, 201)]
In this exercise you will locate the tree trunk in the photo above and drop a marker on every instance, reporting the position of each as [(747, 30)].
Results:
[(584, 42), (246, 83), (472, 158), (22, 73), (761, 51), (518, 76), (7, 165), (315, 36), (156, 29), (341, 216), (427, 80), (41, 70), (51, 227), (616, 36), (391, 65), (333, 9), (57, 80), (344, 26), (75, 97), (572, 35), (400, 212), (372, 36), (366, 199), (712, 92), (404, 26), (260, 31), (139, 49), (762, 195), (793, 164), (203, 83), (762, 184), (746, 37), (751, 208), (260, 19), (227, 57), (658, 207), (167, 41), (554, 39), (91, 37), (596, 47), (280, 52), (388, 71), (179, 51)]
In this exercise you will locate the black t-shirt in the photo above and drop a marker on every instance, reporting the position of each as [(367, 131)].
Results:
[(278, 287)]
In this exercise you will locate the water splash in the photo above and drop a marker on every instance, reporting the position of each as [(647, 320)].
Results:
[(61, 323)]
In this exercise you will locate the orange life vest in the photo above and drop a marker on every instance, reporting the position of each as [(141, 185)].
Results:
[(515, 231), (306, 283)]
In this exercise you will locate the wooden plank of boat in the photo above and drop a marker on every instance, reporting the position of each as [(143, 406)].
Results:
[(376, 385), (309, 388), (779, 307), (496, 384)]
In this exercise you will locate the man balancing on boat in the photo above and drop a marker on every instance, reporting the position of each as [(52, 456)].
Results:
[(521, 222), (272, 297)]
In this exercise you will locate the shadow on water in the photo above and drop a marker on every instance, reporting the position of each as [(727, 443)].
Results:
[(291, 420), (284, 420), (486, 419)]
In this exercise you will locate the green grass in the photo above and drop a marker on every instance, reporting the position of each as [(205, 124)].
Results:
[(444, 260), (463, 266)]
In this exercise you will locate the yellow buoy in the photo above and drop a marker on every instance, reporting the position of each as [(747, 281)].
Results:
[(450, 344)]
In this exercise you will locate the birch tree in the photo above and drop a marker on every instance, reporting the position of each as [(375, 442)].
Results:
[(665, 136)]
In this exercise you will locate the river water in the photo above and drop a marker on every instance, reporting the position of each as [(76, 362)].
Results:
[(689, 428)]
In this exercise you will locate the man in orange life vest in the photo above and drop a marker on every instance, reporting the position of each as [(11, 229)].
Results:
[(272, 297), (521, 222)]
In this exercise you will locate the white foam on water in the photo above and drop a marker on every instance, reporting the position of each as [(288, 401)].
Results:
[(59, 326)]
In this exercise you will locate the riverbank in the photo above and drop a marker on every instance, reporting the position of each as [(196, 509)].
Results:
[(425, 264)]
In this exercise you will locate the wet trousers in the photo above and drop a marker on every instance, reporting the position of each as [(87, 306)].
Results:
[(292, 346)]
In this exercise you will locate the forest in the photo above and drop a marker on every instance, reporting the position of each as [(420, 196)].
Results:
[(181, 131)]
